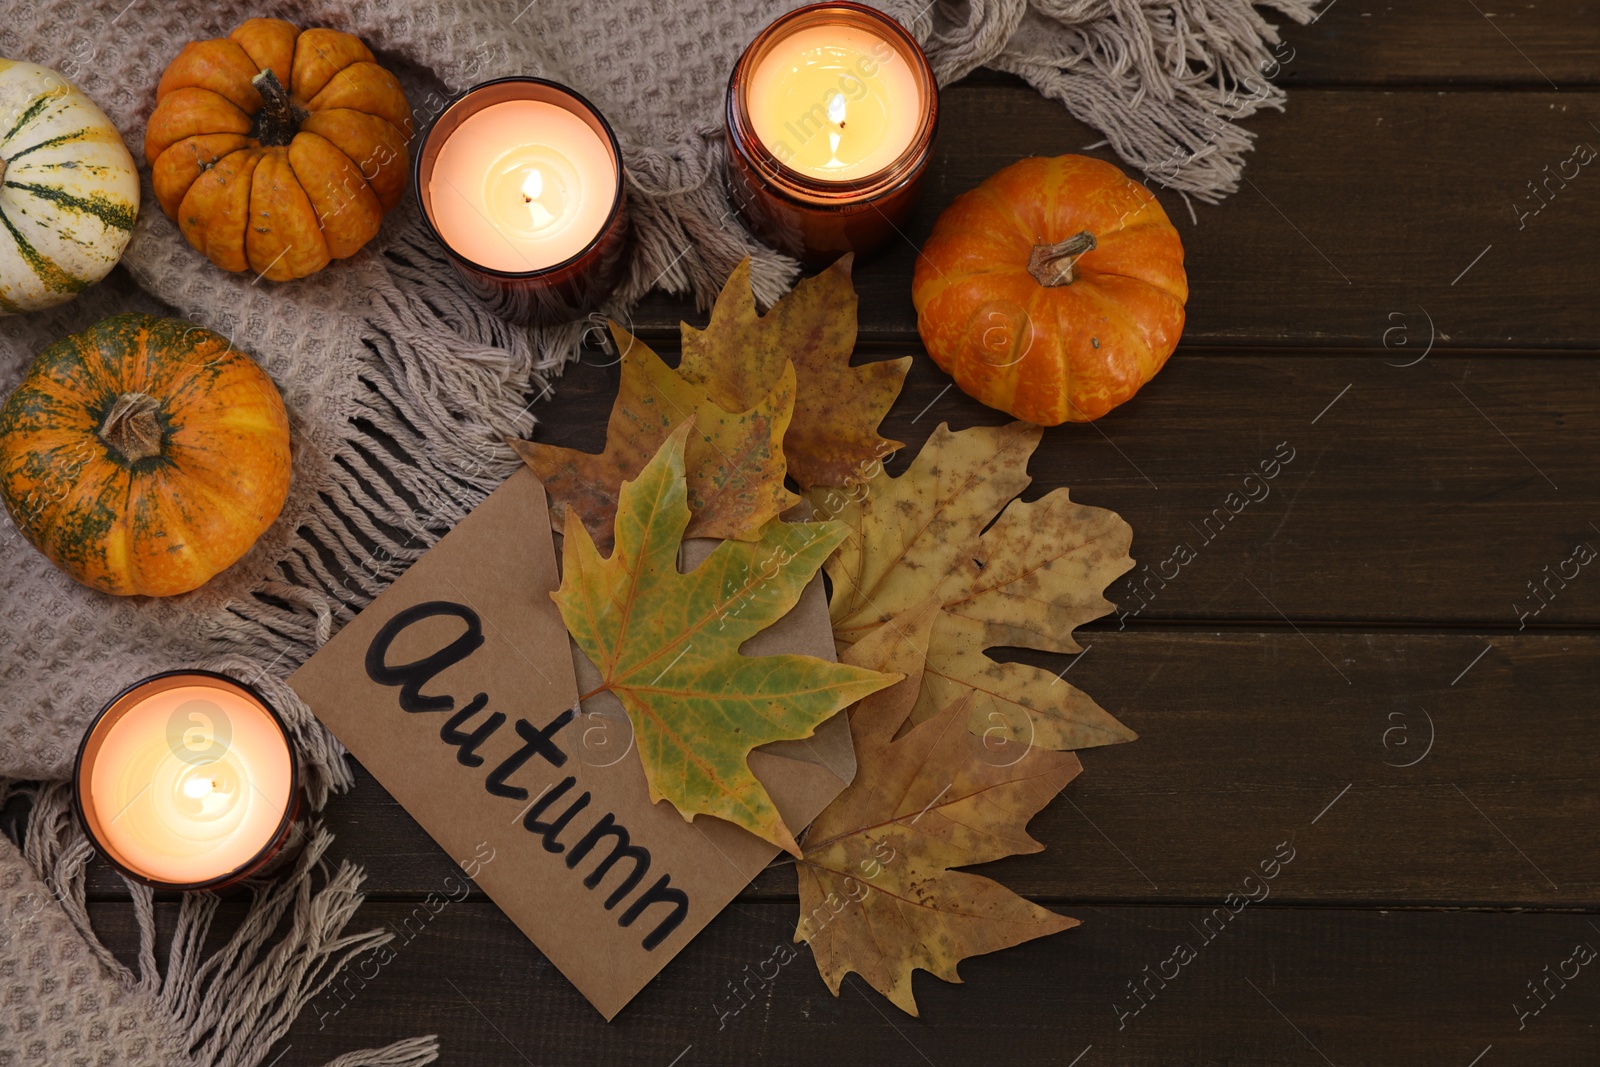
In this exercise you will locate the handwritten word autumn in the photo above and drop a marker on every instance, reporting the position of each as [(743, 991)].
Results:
[(536, 741)]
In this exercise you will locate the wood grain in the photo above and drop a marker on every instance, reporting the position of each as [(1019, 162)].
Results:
[(1540, 46), (1249, 739), (1431, 494), (1358, 205), (1278, 987)]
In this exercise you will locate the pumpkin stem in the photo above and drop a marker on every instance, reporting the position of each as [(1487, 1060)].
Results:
[(1051, 265), (132, 427), (279, 120)]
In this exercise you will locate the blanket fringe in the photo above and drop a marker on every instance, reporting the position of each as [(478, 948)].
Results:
[(56, 848), (445, 383), (410, 1053), (1164, 80), (687, 235), (227, 1009)]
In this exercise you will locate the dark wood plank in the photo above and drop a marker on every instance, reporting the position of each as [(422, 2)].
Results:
[(1423, 494), (1276, 988), (1248, 737), (1246, 740), (1545, 45), (1361, 205)]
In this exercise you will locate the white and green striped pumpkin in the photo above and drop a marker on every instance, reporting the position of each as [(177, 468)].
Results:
[(69, 191)]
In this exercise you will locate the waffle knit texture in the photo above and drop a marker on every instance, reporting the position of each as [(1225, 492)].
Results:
[(401, 388)]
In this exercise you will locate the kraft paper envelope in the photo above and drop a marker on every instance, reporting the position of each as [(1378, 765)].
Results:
[(456, 689)]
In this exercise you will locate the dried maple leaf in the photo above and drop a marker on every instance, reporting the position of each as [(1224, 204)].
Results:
[(667, 644), (738, 357), (1026, 581), (733, 459), (877, 893)]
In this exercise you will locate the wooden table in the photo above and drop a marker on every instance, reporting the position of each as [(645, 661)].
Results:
[(1353, 664)]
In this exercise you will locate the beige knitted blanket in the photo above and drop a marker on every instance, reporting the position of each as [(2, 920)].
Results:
[(401, 389)]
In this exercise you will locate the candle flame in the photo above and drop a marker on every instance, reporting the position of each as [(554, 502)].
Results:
[(835, 116), (532, 186), (836, 109), (198, 787)]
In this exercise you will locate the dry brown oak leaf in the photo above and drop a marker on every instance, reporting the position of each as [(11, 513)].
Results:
[(740, 355), (1025, 582), (877, 893), (733, 459), (667, 645)]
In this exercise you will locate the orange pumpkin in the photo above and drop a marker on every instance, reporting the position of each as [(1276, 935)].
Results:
[(144, 455), (278, 150), (1053, 290)]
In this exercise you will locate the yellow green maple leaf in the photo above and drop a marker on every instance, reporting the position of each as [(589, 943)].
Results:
[(733, 460), (877, 892), (1026, 581), (667, 643), (833, 438)]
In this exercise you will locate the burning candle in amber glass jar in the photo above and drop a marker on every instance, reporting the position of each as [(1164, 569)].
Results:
[(187, 781), (831, 114), (521, 181)]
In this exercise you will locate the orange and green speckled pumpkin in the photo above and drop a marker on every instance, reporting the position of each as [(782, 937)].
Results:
[(1053, 290), (144, 455)]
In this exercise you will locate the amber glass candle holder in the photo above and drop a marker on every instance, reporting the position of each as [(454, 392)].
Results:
[(811, 218), (187, 780), (548, 294)]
